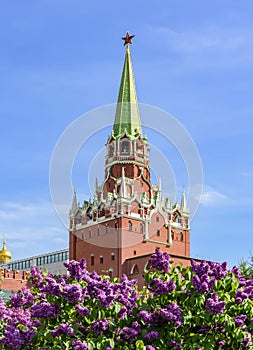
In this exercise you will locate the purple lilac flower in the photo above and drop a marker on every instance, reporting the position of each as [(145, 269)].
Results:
[(175, 344), (12, 338), (73, 293), (214, 306), (160, 261), (206, 274), (2, 309), (82, 310), (100, 326), (203, 329), (222, 343), (149, 347), (36, 276), (122, 313), (77, 269), (145, 316), (203, 284), (245, 292), (129, 333), (52, 287), (16, 299), (246, 341), (172, 313), (160, 287), (44, 310), (63, 328), (136, 326), (239, 320), (78, 345), (153, 335), (27, 336)]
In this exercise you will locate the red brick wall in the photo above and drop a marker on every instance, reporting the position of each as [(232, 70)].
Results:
[(12, 280)]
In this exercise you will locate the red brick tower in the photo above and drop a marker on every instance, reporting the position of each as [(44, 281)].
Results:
[(128, 217)]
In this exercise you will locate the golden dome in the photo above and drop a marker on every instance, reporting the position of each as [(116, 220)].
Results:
[(5, 254)]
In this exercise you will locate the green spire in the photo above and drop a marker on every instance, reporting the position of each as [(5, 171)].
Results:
[(127, 113)]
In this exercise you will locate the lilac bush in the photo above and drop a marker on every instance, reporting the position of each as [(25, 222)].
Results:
[(204, 306)]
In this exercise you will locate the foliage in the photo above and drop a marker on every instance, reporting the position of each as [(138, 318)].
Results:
[(246, 267), (201, 307)]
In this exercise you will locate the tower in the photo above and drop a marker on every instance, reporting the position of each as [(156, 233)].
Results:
[(128, 217)]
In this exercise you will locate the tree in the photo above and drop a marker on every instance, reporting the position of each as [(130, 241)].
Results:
[(201, 307)]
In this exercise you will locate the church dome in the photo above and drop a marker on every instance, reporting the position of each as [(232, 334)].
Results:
[(5, 254)]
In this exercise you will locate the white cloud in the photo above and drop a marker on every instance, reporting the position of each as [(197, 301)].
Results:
[(208, 46), (31, 228), (208, 37), (210, 196)]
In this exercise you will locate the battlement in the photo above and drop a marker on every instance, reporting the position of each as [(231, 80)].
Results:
[(13, 279)]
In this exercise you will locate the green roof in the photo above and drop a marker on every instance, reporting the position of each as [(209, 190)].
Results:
[(127, 115)]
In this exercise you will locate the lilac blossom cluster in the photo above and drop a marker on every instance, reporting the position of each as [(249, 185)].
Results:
[(214, 306), (206, 274), (160, 261), (83, 308)]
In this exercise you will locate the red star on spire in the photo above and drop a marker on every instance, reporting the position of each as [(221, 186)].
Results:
[(128, 39)]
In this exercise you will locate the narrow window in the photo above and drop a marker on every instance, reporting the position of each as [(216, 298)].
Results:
[(141, 228), (101, 259), (125, 147), (113, 256), (181, 236), (157, 219), (92, 260), (134, 252), (158, 233), (106, 228), (130, 226)]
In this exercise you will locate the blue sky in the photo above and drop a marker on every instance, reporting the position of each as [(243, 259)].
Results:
[(61, 59)]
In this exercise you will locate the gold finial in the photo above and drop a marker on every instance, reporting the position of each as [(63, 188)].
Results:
[(128, 39)]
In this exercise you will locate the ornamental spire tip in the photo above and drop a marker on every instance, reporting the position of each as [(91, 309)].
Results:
[(128, 39)]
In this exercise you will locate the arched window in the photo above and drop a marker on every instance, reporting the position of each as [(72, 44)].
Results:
[(181, 236), (101, 259), (125, 146), (112, 256), (172, 234), (110, 272), (106, 228), (177, 219), (130, 226), (134, 269), (147, 265), (98, 230), (141, 228)]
